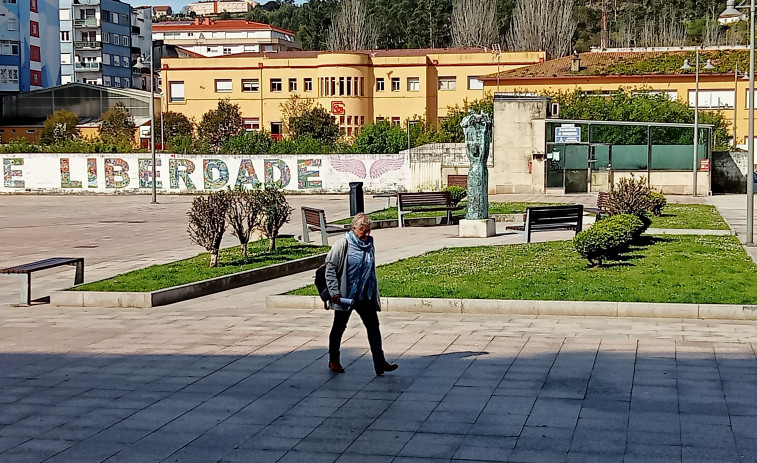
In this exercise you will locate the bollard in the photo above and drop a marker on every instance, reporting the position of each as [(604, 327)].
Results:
[(356, 198)]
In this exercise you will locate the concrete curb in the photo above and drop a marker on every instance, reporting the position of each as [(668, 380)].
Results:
[(184, 292), (531, 307)]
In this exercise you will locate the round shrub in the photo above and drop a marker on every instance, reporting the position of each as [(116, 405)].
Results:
[(657, 201), (628, 225), (457, 193), (607, 238)]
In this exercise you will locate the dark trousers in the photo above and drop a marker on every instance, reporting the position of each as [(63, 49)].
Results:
[(369, 315)]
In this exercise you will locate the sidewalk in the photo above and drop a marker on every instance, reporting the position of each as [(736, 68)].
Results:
[(220, 379)]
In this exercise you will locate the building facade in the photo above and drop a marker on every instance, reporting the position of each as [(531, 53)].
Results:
[(220, 6), (29, 51), (141, 42), (647, 70), (95, 42), (356, 88), (207, 37)]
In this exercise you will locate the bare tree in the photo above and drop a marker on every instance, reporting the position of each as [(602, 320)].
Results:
[(351, 28), (243, 215), (207, 222), (474, 23), (275, 212), (542, 25)]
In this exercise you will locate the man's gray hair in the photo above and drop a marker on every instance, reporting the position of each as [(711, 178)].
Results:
[(360, 220)]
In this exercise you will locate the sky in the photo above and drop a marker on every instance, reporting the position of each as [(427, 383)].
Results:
[(176, 5)]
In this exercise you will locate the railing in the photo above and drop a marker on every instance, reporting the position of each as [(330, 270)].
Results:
[(87, 66), (87, 22), (87, 45)]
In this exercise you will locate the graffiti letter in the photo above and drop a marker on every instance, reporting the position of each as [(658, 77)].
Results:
[(246, 175), (284, 174), (208, 166), (9, 173), (65, 175), (145, 173), (304, 174), (91, 172), (111, 173), (187, 168)]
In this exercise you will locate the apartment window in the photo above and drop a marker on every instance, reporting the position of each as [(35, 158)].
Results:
[(250, 85), (447, 83), (251, 123), (380, 84), (33, 6), (116, 39), (413, 84), (176, 92), (34, 53), (106, 58), (474, 83), (8, 47), (34, 28), (106, 81), (125, 61), (11, 24), (116, 61), (65, 58), (395, 84), (713, 98), (223, 85), (292, 85), (125, 40), (125, 19), (65, 36), (116, 82), (226, 50), (63, 14), (308, 84), (9, 1), (106, 37), (127, 82), (395, 120), (114, 18), (275, 85)]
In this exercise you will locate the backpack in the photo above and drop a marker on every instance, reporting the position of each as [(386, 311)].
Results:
[(320, 284)]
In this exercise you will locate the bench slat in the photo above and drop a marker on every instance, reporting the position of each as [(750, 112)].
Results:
[(42, 264)]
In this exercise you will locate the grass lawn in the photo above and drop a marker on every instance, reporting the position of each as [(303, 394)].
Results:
[(494, 208), (196, 268), (684, 269), (692, 216)]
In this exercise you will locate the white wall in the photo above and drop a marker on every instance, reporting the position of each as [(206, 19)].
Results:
[(132, 172)]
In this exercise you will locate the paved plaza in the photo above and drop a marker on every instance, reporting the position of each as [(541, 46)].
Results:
[(219, 378)]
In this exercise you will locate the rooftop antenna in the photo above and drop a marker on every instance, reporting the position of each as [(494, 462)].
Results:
[(496, 52)]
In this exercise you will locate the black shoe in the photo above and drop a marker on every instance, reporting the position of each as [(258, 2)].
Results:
[(381, 368)]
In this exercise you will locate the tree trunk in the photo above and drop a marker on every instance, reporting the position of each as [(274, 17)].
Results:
[(243, 250), (214, 258), (272, 244)]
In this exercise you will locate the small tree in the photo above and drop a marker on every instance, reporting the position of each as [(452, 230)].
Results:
[(381, 137), (174, 125), (294, 107), (60, 126), (315, 123), (117, 125), (244, 215), (207, 222), (218, 125), (275, 212)]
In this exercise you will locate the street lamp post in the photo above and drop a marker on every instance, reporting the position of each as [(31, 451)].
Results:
[(730, 14), (140, 65), (695, 166)]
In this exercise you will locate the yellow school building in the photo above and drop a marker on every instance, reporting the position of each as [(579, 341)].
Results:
[(721, 88), (356, 88)]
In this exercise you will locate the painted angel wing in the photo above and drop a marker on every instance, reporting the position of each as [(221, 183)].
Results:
[(384, 165), (353, 166)]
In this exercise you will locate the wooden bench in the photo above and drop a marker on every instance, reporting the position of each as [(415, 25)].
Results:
[(425, 201), (315, 220), (457, 180), (546, 218), (388, 197), (602, 199), (25, 273)]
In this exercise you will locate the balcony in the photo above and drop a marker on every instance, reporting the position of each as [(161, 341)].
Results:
[(81, 45), (87, 66), (87, 22)]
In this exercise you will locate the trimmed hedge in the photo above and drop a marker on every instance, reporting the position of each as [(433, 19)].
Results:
[(607, 238), (657, 201)]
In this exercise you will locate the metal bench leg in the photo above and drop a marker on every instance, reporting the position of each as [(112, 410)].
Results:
[(449, 217), (399, 217), (79, 277), (26, 288), (305, 231), (324, 235)]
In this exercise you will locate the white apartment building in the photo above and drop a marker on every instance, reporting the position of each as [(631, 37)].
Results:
[(219, 6)]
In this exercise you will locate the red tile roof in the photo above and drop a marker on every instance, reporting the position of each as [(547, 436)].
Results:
[(219, 24)]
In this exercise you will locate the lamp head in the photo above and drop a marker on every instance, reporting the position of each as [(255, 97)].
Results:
[(686, 66), (730, 14), (708, 65)]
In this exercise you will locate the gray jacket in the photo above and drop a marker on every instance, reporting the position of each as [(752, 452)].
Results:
[(336, 273)]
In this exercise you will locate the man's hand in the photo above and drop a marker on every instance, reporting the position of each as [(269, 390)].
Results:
[(336, 299)]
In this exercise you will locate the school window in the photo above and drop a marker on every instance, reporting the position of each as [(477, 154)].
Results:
[(223, 85), (292, 85), (395, 84), (250, 85), (713, 98), (380, 84), (275, 85), (308, 84), (226, 50), (349, 120), (176, 92), (349, 86), (65, 36), (395, 121), (251, 123), (341, 86), (447, 83), (413, 84), (379, 119), (341, 120)]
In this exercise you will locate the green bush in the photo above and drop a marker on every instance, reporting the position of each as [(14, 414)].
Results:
[(657, 202), (607, 238), (631, 196), (19, 145), (458, 193)]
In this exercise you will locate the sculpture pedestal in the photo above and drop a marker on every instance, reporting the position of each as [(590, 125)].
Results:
[(478, 228)]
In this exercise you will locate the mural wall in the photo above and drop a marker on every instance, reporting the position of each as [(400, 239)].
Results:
[(132, 172)]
